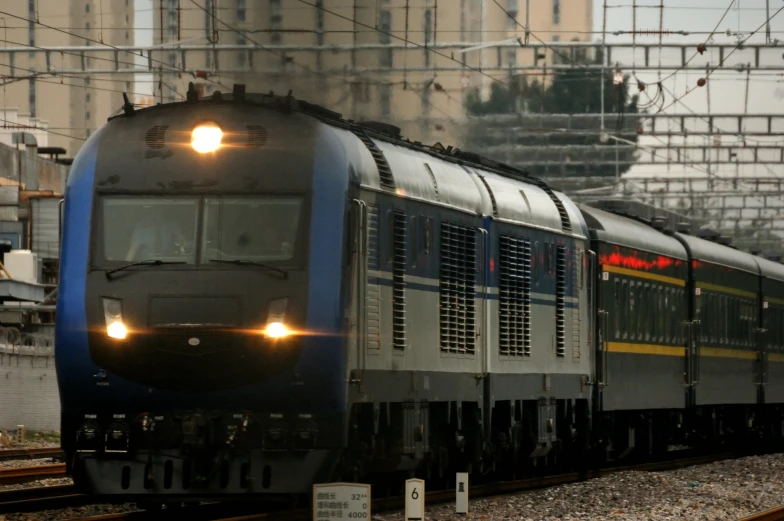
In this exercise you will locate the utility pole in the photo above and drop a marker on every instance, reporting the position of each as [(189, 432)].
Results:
[(604, 58)]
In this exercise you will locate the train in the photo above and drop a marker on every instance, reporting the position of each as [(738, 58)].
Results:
[(258, 295)]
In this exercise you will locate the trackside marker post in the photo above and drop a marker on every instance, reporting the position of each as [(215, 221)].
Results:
[(333, 501), (415, 500), (461, 492)]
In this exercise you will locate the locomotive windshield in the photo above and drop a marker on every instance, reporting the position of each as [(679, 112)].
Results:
[(247, 228), (250, 228), (141, 228)]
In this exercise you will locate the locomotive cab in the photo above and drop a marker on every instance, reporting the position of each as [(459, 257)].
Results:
[(200, 331)]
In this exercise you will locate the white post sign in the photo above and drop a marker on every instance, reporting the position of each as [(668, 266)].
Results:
[(461, 491), (341, 501), (415, 500)]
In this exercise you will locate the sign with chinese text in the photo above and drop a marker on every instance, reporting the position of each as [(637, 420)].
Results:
[(461, 491), (341, 501)]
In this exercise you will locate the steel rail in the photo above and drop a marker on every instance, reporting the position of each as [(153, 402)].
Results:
[(32, 453), (40, 498), (218, 512), (25, 474), (775, 514)]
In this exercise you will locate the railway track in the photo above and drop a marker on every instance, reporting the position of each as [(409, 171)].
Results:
[(33, 453), (775, 514), (41, 498), (240, 512), (15, 475)]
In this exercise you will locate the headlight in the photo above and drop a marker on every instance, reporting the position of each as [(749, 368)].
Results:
[(277, 330), (112, 314), (206, 137), (276, 316)]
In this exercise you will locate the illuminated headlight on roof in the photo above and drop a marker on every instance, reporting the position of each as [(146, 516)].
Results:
[(206, 137)]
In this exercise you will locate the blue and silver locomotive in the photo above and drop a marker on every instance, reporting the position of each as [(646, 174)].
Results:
[(257, 295)]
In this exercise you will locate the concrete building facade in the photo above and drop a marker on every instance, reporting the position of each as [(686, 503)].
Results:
[(316, 49), (317, 52), (76, 105)]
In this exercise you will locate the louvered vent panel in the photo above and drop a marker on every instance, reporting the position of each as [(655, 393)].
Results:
[(560, 294), (458, 279), (566, 223), (156, 136), (384, 171), (373, 296), (399, 282), (257, 136), (576, 319), (515, 296)]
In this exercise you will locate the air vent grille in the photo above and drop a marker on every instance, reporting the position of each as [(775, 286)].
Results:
[(399, 281), (458, 292), (156, 136), (515, 296), (384, 171), (560, 297), (566, 223), (257, 136)]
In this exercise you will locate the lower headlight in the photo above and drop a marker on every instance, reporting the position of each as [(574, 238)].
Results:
[(276, 330), (112, 314), (117, 330)]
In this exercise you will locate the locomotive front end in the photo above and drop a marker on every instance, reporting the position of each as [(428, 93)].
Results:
[(200, 340)]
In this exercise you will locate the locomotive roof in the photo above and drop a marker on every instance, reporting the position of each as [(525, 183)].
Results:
[(708, 251), (469, 188), (622, 231), (770, 269), (445, 175)]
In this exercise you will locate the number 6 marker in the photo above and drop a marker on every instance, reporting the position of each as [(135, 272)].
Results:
[(415, 500)]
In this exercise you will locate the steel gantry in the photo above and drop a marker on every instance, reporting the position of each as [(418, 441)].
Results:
[(550, 56)]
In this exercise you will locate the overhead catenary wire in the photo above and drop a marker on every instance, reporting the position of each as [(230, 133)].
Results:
[(92, 40), (424, 47), (306, 67), (712, 70)]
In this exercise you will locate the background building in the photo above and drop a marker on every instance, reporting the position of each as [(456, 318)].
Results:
[(333, 53), (73, 105)]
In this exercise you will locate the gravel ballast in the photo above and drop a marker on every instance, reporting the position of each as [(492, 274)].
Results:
[(726, 490)]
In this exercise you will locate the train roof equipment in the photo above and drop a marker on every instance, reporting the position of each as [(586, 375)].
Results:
[(717, 253), (630, 233), (404, 173), (770, 269)]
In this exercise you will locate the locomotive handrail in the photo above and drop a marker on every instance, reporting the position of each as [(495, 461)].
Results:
[(605, 372), (762, 347), (361, 289), (697, 352), (601, 347), (592, 290)]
